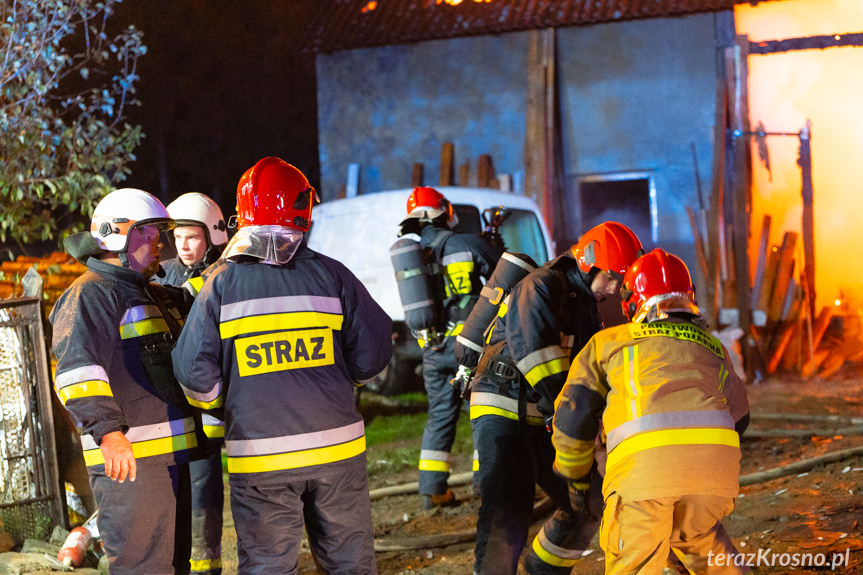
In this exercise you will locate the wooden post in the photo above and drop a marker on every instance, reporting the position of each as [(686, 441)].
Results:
[(542, 145), (714, 223), (760, 265), (742, 179), (464, 174), (446, 164), (417, 175), (485, 171), (784, 273), (808, 228)]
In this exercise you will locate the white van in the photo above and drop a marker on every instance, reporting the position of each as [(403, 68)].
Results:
[(359, 231)]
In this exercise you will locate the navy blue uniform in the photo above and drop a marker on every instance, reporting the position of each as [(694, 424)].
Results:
[(113, 373), (545, 320), (280, 348), (466, 259)]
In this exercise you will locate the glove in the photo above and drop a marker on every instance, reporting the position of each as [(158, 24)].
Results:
[(578, 495), (545, 406)]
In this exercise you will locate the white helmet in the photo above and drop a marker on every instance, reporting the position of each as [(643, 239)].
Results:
[(195, 209), (122, 210)]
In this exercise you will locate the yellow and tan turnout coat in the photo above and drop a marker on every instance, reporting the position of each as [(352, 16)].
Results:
[(669, 403)]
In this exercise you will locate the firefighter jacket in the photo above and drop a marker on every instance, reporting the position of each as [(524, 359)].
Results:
[(670, 405), (547, 317), (464, 259), (112, 344), (177, 273), (280, 347)]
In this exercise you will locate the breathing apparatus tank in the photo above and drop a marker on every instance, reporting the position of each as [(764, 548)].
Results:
[(510, 269), (420, 287)]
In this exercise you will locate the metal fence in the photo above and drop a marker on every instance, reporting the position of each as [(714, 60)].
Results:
[(31, 502)]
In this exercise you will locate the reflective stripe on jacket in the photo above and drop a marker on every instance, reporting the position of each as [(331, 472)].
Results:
[(668, 399), (280, 347), (101, 326)]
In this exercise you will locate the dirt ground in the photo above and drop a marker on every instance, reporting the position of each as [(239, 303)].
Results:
[(796, 517)]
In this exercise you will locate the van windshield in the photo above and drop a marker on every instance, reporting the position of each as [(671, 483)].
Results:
[(521, 233)]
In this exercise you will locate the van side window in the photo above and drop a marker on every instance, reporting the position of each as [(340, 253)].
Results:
[(521, 233), (468, 219)]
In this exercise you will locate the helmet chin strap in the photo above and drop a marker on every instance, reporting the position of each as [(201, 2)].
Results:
[(124, 258)]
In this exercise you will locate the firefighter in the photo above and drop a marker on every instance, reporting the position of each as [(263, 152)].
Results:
[(671, 409), (466, 261), (200, 236), (112, 334), (278, 336), (547, 317)]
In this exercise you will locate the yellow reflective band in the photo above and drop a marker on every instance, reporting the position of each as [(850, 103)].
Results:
[(214, 430), (421, 342), (475, 466), (477, 411), (456, 330), (684, 331), (148, 448), (195, 284), (434, 465), (93, 388), (296, 459), (279, 321), (581, 457), (546, 369), (665, 437), (633, 388), (206, 404), (143, 327), (459, 277), (206, 564), (284, 350), (547, 557)]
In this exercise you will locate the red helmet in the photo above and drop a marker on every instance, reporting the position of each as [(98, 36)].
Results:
[(658, 283), (610, 246), (275, 193), (428, 204)]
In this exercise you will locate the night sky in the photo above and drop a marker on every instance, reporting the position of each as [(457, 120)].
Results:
[(223, 84)]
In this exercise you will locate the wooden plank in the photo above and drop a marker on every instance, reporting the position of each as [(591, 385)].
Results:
[(761, 262), (699, 246), (447, 159), (485, 171), (534, 133), (784, 337), (769, 279), (784, 273), (417, 175), (714, 222), (464, 174), (822, 322), (742, 193)]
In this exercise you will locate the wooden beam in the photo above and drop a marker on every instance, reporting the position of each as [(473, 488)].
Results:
[(808, 224), (446, 164), (784, 273), (464, 174), (417, 175), (484, 171)]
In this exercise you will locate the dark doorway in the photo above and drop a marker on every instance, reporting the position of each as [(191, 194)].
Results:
[(626, 198), (623, 198)]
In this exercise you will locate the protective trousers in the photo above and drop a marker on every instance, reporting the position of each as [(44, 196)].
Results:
[(335, 509), (208, 496), (513, 458), (637, 535), (565, 536), (145, 524), (445, 404)]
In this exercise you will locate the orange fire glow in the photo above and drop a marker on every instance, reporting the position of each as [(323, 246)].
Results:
[(370, 6), (786, 89)]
